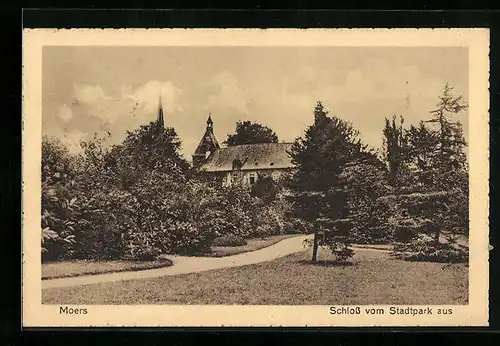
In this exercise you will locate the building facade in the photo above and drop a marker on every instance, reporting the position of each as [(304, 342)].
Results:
[(241, 164)]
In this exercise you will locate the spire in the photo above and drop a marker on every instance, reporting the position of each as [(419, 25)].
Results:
[(208, 144), (210, 123), (160, 119)]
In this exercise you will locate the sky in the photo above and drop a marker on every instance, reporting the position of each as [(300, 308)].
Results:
[(115, 89)]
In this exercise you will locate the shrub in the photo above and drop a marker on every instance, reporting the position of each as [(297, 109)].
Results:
[(57, 201), (424, 248), (269, 221), (266, 188), (295, 225), (229, 240), (105, 222), (137, 200), (239, 210)]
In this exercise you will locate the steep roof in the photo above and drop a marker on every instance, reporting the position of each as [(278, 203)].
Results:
[(206, 143), (251, 156)]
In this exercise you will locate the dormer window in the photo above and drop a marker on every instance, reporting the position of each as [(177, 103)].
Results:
[(207, 154), (237, 164)]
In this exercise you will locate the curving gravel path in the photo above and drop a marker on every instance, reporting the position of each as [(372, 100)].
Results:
[(186, 265)]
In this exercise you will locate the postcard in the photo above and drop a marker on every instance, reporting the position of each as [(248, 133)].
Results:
[(250, 177)]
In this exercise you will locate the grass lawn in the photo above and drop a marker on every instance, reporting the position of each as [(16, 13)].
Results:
[(61, 269), (372, 278), (252, 245)]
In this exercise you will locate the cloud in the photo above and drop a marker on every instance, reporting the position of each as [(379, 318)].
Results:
[(92, 100), (138, 103), (65, 113), (228, 94), (89, 94), (147, 96)]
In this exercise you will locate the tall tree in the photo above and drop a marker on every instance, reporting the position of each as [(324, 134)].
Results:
[(149, 148), (450, 153), (248, 132), (394, 147), (436, 146), (436, 198), (328, 146)]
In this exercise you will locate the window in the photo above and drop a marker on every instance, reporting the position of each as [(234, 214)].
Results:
[(252, 178)]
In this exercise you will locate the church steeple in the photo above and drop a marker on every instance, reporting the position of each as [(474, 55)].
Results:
[(160, 121), (208, 144)]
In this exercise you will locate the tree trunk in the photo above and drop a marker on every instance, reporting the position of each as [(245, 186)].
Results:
[(436, 236), (315, 246)]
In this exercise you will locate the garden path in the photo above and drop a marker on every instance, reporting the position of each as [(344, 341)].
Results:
[(187, 264)]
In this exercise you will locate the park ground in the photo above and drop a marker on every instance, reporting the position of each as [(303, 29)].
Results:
[(65, 269), (372, 277)]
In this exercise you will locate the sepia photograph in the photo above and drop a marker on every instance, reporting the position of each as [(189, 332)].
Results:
[(247, 174)]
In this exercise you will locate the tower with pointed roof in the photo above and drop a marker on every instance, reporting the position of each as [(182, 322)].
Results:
[(160, 120), (207, 145)]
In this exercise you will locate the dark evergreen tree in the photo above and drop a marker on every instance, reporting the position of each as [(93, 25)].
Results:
[(433, 201), (394, 147), (328, 146)]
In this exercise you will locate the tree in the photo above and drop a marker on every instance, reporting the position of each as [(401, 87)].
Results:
[(394, 147), (432, 201), (450, 156), (420, 153), (57, 199), (328, 146), (57, 162), (266, 188), (251, 133), (150, 148), (365, 183)]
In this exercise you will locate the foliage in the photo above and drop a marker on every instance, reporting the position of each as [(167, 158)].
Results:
[(248, 132), (423, 248), (294, 225), (429, 176), (266, 188), (394, 147), (140, 198), (57, 201), (365, 183), (135, 200), (229, 240), (329, 145), (150, 147)]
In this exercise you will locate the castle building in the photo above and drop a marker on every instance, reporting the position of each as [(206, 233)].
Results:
[(242, 164)]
